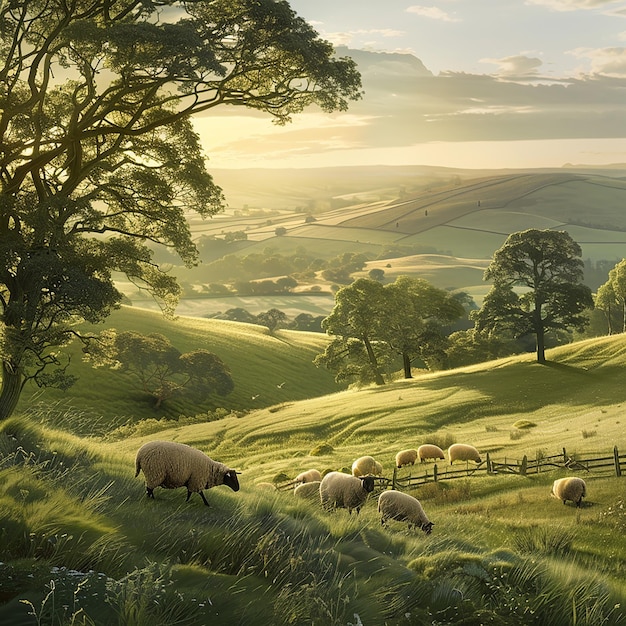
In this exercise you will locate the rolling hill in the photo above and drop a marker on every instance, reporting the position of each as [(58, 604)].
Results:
[(439, 224)]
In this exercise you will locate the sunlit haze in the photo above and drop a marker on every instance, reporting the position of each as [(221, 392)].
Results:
[(474, 84)]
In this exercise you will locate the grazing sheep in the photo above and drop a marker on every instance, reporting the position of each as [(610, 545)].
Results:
[(406, 457), (463, 452), (307, 490), (570, 488), (309, 476), (171, 465), (404, 508), (339, 490), (429, 451), (366, 465)]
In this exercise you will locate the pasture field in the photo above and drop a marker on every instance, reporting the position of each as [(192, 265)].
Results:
[(258, 362), (80, 540)]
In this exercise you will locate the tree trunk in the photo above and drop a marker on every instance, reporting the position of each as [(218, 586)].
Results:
[(407, 365), (541, 344), (11, 389), (378, 379)]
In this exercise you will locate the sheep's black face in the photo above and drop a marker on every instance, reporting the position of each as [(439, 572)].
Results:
[(427, 528), (230, 479), (368, 483)]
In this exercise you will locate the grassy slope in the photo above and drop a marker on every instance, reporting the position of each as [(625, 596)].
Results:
[(258, 362), (479, 522)]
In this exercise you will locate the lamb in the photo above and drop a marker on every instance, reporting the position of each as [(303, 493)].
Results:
[(307, 490), (170, 465), (463, 452), (429, 451), (309, 476), (339, 490), (403, 507), (366, 465), (569, 488), (406, 457)]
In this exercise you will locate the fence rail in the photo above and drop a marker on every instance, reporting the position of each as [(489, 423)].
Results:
[(593, 461)]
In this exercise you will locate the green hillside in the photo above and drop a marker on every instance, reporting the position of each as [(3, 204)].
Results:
[(410, 213), (258, 361), (80, 538)]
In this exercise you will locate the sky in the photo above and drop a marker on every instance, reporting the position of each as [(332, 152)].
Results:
[(455, 83)]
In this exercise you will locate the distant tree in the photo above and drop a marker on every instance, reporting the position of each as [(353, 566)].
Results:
[(238, 314), (286, 283), (307, 322), (98, 155), (280, 231), (376, 274), (607, 302), (273, 319), (466, 347), (415, 314), (238, 235), (546, 267), (357, 316), (617, 279), (161, 370)]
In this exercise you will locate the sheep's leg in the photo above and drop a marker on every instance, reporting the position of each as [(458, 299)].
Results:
[(203, 498), (150, 492)]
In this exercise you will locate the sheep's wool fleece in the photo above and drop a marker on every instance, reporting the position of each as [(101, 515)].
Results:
[(430, 451), (463, 452), (569, 488), (366, 465), (342, 490), (170, 465), (406, 457), (309, 476), (307, 490), (403, 507)]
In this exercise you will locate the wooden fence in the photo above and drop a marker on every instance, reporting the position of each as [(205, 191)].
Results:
[(613, 462)]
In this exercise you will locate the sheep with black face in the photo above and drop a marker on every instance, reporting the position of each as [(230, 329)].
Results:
[(171, 465)]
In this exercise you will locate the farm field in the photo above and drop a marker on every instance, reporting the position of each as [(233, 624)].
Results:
[(395, 213), (502, 550)]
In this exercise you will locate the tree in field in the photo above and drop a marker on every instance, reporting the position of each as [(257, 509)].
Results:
[(160, 369), (606, 301), (355, 324), (273, 319), (617, 280), (546, 268), (98, 156), (416, 312)]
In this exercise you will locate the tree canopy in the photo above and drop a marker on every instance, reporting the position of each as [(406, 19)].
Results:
[(546, 268), (98, 155)]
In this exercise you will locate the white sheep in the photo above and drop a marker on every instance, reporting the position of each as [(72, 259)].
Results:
[(309, 476), (404, 508), (170, 465), (463, 452), (339, 490), (569, 488), (429, 451), (307, 490), (366, 465), (406, 457)]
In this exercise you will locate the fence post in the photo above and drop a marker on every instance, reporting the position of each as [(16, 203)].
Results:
[(564, 456), (435, 472), (393, 480), (524, 466), (618, 469), (489, 468)]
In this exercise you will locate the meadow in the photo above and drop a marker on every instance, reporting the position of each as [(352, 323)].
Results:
[(81, 543)]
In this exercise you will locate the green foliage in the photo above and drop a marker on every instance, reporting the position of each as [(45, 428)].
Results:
[(161, 370), (546, 266)]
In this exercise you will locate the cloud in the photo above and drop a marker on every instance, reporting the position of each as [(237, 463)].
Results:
[(432, 12), (578, 5), (604, 61), (518, 66), (348, 38)]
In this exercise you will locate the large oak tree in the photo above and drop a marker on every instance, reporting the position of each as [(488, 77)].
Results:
[(537, 288), (98, 157)]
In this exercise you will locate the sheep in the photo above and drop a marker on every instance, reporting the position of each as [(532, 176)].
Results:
[(366, 465), (463, 452), (569, 488), (307, 490), (339, 490), (429, 451), (406, 457), (403, 507), (170, 465), (309, 476)]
